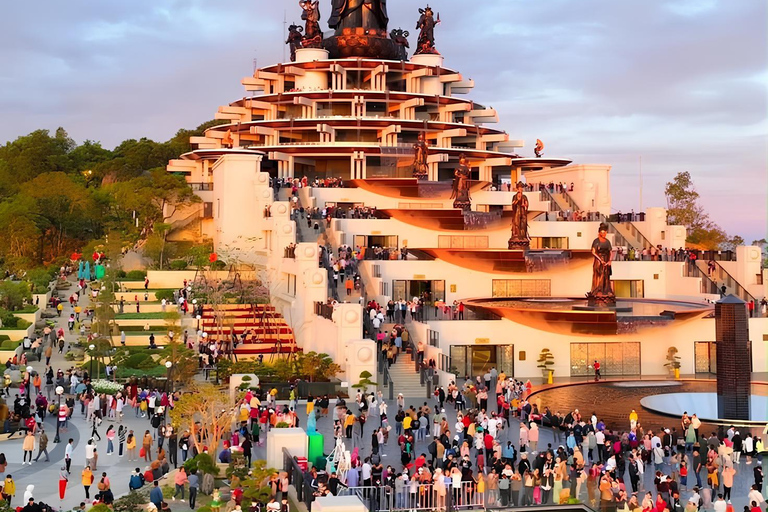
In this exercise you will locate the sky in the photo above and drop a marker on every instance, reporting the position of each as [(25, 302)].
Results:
[(680, 85)]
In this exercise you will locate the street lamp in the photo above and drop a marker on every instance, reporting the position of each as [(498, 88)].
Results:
[(91, 347), (29, 381), (168, 365), (59, 392), (198, 322)]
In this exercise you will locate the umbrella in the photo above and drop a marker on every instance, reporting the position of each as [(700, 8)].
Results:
[(80, 270), (80, 388), (100, 271), (87, 273)]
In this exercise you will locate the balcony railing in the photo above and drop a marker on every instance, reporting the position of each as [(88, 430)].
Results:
[(324, 310), (201, 186)]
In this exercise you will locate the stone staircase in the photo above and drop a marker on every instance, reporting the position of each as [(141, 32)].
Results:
[(406, 379)]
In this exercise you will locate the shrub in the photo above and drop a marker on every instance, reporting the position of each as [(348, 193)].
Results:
[(9, 345), (218, 265), (13, 294), (130, 502), (4, 337), (203, 463), (121, 274), (136, 275), (10, 321), (164, 294), (178, 265)]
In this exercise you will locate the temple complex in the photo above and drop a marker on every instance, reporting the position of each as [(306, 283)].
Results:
[(501, 249)]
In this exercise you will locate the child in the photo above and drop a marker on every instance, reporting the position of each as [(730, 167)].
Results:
[(9, 489), (683, 474)]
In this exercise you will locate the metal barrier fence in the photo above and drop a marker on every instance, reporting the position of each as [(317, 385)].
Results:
[(415, 496), (297, 479)]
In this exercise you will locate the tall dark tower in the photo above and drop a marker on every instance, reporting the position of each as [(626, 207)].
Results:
[(733, 370)]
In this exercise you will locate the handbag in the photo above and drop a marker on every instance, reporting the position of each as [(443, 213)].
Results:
[(142, 452)]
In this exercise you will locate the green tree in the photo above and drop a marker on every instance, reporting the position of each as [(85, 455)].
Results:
[(683, 208)]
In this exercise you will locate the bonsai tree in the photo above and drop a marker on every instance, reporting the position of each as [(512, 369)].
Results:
[(546, 361), (365, 381), (673, 360)]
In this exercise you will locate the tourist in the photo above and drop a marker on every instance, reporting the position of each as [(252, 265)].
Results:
[(156, 495), (193, 481), (28, 446), (86, 477), (180, 480)]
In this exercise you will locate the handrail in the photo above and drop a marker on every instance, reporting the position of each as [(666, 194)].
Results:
[(552, 200), (297, 478), (740, 290), (570, 200), (692, 270)]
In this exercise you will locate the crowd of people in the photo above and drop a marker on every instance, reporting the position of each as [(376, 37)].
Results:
[(493, 450)]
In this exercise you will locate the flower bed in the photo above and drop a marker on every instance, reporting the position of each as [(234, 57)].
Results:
[(106, 386)]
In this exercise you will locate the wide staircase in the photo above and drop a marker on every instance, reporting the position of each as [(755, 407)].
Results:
[(405, 377), (267, 331)]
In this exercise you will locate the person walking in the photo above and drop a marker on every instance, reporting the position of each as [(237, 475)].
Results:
[(86, 477), (90, 450), (179, 481), (156, 495), (42, 446), (194, 483)]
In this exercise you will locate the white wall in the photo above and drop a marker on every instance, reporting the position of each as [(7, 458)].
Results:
[(592, 184)]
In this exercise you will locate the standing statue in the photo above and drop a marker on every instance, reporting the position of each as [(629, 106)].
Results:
[(400, 37), (313, 36), (358, 13), (538, 148), (461, 176), (427, 25), (420, 160), (294, 39), (602, 290), (519, 238)]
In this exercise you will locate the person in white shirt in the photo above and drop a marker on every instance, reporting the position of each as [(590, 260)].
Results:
[(68, 453), (720, 505)]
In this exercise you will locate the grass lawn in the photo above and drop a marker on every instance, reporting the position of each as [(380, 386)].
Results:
[(30, 308), (141, 316)]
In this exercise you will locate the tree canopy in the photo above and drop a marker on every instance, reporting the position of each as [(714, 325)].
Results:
[(683, 208), (56, 196)]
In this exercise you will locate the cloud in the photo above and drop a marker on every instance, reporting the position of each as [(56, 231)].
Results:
[(681, 83)]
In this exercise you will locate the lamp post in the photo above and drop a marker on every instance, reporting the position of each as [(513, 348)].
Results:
[(168, 383), (168, 387), (59, 392), (91, 347), (29, 382), (198, 322)]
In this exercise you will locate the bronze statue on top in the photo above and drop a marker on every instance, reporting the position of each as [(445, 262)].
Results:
[(358, 13), (602, 288), (426, 25), (519, 238), (420, 160), (460, 193), (294, 39), (313, 36)]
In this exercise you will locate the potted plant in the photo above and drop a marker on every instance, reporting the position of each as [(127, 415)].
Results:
[(673, 362), (546, 361)]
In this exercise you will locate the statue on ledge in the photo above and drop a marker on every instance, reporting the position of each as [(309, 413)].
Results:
[(313, 36), (460, 193), (358, 13), (519, 238), (538, 148), (294, 39), (420, 164), (426, 25), (602, 289)]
